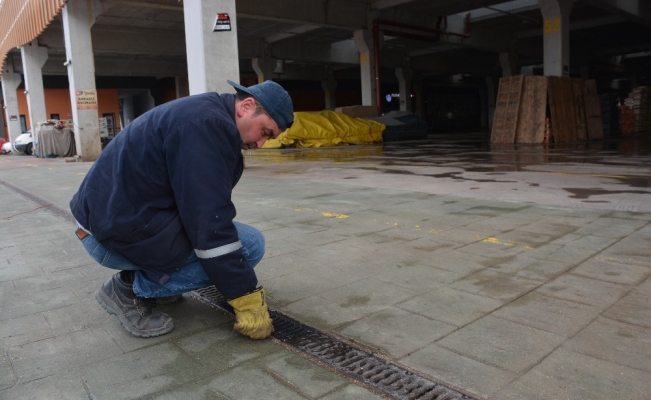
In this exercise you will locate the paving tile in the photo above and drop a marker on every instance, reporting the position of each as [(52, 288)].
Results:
[(301, 374), (53, 387), (320, 312), (543, 270), (417, 278), (451, 306), (460, 263), (220, 347), (303, 284), (573, 376), (52, 280), (27, 329), (396, 332), (162, 366), (235, 383), (7, 378), (352, 392), (62, 353), (584, 290), (367, 296), (502, 343), (634, 309), (612, 272), (495, 285), (455, 370), (550, 314), (27, 303), (615, 341)]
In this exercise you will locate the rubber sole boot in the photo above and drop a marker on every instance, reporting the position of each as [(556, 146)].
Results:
[(136, 314)]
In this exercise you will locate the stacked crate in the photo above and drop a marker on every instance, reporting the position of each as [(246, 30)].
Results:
[(638, 102)]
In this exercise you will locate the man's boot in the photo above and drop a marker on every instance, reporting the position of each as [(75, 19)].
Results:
[(136, 314)]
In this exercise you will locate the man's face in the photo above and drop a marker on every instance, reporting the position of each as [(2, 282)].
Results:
[(255, 130)]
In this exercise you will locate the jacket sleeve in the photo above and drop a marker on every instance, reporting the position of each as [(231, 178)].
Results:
[(202, 158)]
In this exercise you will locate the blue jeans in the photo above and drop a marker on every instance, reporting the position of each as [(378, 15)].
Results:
[(189, 276)]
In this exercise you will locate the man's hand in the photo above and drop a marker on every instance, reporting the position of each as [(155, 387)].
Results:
[(252, 316)]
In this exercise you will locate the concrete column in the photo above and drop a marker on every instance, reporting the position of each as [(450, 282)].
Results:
[(264, 67), (509, 63), (211, 45), (329, 86), (34, 58), (127, 110), (181, 85), (364, 41), (77, 19), (404, 76), (556, 36), (10, 82)]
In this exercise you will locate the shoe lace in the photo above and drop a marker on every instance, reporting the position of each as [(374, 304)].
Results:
[(144, 305)]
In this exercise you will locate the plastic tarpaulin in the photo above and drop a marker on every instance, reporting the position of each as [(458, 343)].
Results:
[(53, 140), (327, 128)]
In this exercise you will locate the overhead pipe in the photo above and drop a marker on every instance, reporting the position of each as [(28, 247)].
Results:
[(376, 44)]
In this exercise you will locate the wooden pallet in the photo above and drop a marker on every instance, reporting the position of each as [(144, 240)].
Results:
[(505, 120), (561, 106), (593, 110)]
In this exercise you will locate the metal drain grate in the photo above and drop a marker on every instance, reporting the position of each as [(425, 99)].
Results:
[(367, 369)]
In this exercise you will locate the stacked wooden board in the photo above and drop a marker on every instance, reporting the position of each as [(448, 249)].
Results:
[(524, 102)]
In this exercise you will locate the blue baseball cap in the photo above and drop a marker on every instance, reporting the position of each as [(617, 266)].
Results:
[(274, 99)]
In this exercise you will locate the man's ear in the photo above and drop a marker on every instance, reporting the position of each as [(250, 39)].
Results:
[(246, 105)]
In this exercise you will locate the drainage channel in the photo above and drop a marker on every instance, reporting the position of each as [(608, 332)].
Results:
[(378, 375)]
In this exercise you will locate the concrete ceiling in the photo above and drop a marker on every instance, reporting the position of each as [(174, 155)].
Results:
[(146, 37)]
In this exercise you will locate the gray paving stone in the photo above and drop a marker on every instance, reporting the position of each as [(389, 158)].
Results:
[(7, 378), (417, 278), (220, 347), (584, 290), (502, 343), (634, 309), (612, 272), (451, 306), (395, 331), (543, 270), (301, 374), (495, 285), (352, 392), (550, 314), (243, 382), (367, 296), (62, 353), (457, 370), (27, 329), (573, 376), (52, 387), (53, 280), (615, 341), (26, 303), (140, 373)]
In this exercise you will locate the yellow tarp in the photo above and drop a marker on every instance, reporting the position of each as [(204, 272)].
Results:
[(327, 128)]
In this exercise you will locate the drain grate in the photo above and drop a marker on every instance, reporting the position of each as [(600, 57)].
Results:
[(371, 371)]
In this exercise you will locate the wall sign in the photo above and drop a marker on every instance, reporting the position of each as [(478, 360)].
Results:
[(222, 23), (86, 99), (13, 118)]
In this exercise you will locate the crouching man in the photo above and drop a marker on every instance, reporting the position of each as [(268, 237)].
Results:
[(156, 206)]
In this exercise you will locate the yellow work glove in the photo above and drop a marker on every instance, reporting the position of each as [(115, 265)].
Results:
[(252, 316)]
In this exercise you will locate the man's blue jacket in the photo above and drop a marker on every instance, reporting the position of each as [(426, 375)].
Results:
[(162, 188)]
